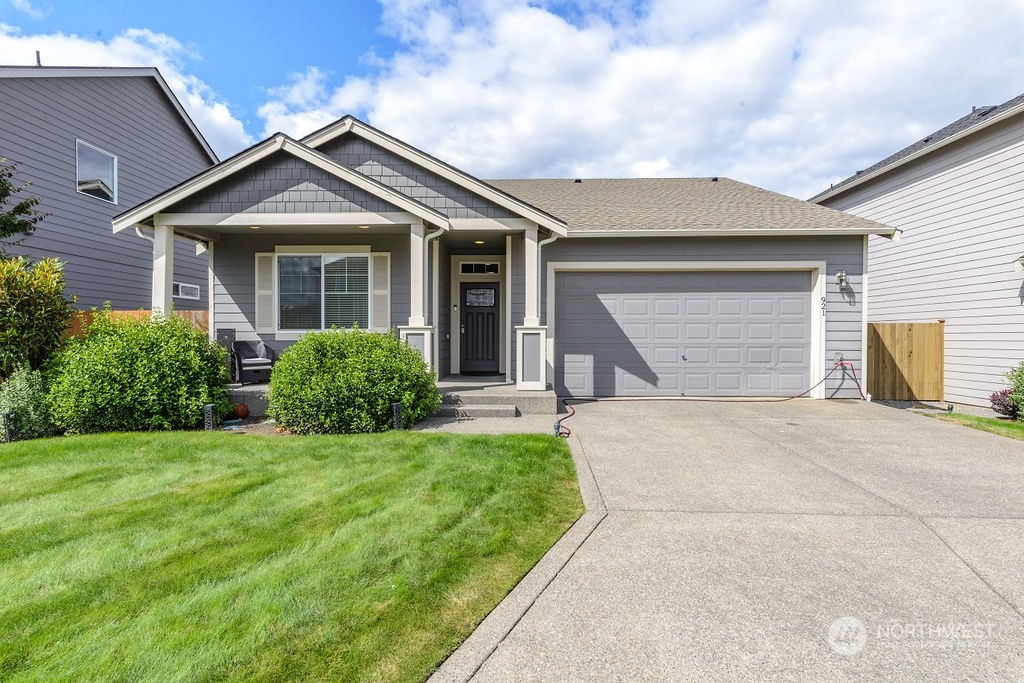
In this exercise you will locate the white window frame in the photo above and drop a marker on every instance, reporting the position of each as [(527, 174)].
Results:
[(113, 189), (268, 306), (177, 291), (322, 255)]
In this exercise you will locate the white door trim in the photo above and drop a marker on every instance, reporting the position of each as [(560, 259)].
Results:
[(455, 299), (817, 269)]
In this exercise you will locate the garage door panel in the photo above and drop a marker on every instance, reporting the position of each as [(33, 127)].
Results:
[(627, 333)]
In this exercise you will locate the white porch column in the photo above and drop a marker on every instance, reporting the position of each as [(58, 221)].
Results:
[(531, 318), (531, 338), (417, 257), (163, 269), (416, 333)]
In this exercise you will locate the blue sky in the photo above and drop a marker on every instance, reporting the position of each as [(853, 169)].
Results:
[(787, 94)]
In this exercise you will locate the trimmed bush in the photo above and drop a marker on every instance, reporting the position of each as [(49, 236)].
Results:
[(129, 374), (23, 397), (343, 382), (1002, 403), (33, 312), (1016, 379)]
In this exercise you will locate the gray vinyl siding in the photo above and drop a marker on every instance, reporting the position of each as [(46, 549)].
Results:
[(410, 179), (130, 118), (235, 277), (517, 265), (282, 183), (960, 211), (443, 319), (844, 313)]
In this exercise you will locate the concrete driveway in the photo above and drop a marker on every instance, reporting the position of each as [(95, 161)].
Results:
[(808, 540)]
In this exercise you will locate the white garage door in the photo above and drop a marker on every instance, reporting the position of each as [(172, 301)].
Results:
[(682, 333)]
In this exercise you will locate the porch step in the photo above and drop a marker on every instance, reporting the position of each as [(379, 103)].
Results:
[(477, 410), (525, 402)]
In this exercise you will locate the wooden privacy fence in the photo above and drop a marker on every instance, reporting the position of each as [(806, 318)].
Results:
[(905, 361), (82, 319)]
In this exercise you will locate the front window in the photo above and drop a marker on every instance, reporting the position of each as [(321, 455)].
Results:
[(317, 292), (96, 172)]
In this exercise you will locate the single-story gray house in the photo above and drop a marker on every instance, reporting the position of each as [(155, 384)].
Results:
[(631, 287)]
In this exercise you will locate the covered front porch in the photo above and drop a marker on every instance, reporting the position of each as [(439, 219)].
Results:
[(351, 228)]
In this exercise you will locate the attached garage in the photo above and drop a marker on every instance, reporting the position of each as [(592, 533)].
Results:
[(684, 332)]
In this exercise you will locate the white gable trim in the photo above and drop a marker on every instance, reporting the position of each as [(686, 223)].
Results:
[(352, 125), (259, 152)]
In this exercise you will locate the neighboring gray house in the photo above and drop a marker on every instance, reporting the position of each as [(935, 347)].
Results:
[(94, 141), (957, 195), (697, 287)]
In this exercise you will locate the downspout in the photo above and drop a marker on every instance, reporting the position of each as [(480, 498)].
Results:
[(540, 269), (138, 231), (426, 268)]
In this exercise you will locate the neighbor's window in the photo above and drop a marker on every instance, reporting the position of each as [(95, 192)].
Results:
[(316, 292), (97, 172), (182, 290)]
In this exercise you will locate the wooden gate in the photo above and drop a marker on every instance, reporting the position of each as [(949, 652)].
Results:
[(905, 361)]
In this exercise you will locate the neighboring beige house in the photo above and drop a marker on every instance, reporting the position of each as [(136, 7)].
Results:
[(957, 195)]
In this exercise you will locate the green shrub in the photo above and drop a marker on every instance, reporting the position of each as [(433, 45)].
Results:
[(129, 374), (342, 382), (23, 397), (33, 312), (1016, 379)]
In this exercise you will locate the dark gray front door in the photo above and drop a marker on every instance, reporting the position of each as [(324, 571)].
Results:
[(479, 346)]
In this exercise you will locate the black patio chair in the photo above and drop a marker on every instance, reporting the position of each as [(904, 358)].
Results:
[(252, 361)]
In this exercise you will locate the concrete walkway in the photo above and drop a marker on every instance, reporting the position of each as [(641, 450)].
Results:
[(808, 540)]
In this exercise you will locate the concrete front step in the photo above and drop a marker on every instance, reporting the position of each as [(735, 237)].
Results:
[(527, 402), (477, 410)]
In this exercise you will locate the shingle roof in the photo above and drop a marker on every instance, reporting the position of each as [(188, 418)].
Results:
[(680, 204), (976, 117)]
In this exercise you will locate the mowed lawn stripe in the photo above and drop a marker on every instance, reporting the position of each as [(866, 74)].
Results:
[(189, 556)]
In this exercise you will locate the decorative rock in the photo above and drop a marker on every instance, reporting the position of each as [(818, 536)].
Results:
[(241, 410)]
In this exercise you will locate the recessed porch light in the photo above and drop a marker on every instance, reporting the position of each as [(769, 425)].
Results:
[(364, 227), (478, 241), (254, 227)]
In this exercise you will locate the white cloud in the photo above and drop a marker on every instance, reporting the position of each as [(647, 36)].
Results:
[(788, 94), (135, 47), (26, 7)]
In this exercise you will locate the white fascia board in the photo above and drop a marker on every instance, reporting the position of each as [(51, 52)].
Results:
[(924, 151), (113, 72), (212, 220), (447, 172), (364, 183), (823, 232)]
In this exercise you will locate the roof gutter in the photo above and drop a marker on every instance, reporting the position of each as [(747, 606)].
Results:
[(836, 191), (884, 230)]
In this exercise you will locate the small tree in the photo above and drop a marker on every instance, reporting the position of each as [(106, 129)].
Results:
[(15, 217), (33, 312)]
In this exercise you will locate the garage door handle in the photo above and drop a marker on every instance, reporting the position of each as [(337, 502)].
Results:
[(684, 356)]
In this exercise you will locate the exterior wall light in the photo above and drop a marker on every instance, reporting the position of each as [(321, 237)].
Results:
[(841, 280), (1018, 265)]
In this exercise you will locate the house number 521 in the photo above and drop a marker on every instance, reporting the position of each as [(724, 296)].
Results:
[(823, 306)]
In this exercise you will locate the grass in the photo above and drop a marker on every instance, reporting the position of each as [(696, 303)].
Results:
[(1010, 428), (206, 556)]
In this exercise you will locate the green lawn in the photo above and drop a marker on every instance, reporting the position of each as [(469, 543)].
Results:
[(1014, 430), (201, 556)]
